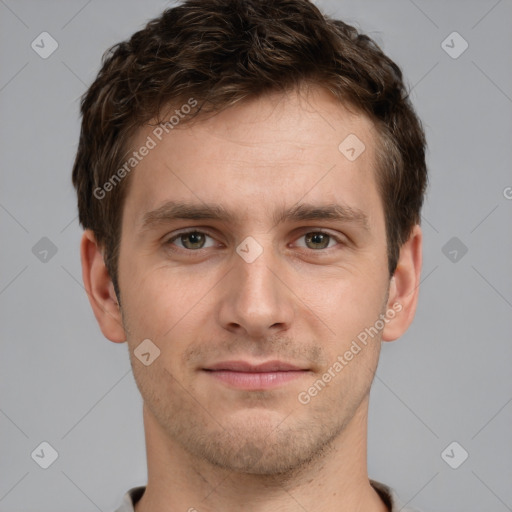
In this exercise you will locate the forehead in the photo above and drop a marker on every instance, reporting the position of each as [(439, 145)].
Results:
[(258, 157)]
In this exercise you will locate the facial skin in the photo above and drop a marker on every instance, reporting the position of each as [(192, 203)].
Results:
[(302, 301)]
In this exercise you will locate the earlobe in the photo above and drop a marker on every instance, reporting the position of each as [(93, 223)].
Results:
[(100, 289), (404, 287)]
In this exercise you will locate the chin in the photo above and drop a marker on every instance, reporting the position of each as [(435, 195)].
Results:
[(264, 448)]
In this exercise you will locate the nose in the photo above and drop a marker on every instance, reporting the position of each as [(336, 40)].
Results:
[(256, 301)]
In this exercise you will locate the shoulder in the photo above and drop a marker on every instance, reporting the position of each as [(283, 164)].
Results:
[(131, 497), (390, 497)]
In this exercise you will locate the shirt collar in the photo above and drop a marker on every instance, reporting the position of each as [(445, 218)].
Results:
[(388, 496)]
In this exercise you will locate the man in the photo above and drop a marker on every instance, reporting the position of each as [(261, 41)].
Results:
[(250, 176)]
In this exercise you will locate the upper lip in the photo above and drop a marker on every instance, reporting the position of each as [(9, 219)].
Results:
[(243, 366)]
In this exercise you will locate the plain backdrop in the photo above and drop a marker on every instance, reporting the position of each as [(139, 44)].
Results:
[(447, 380)]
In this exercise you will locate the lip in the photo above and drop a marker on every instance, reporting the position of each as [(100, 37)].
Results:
[(247, 376), (244, 366)]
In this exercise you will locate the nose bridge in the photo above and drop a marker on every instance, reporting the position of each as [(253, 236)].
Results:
[(252, 269), (256, 299)]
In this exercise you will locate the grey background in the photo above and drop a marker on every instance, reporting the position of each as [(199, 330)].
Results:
[(448, 379)]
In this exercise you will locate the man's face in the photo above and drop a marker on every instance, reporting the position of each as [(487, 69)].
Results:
[(289, 294)]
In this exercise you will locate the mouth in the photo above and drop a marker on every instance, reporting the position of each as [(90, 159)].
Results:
[(255, 377)]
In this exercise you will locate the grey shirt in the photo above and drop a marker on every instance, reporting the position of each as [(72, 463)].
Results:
[(386, 493)]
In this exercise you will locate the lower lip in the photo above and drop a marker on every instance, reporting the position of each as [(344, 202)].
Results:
[(256, 381)]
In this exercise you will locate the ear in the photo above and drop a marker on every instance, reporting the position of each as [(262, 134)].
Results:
[(404, 287), (100, 289)]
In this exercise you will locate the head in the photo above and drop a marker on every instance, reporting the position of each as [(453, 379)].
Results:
[(241, 109)]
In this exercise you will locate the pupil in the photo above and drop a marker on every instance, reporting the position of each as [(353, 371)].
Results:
[(318, 239), (194, 238)]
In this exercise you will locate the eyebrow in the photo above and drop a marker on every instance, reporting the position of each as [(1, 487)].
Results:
[(173, 210)]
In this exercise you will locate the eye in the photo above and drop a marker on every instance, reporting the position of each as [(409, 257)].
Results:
[(191, 240), (317, 240), (195, 240)]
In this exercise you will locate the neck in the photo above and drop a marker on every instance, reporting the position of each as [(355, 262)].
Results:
[(337, 480)]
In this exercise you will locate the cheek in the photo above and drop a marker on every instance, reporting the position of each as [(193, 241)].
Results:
[(348, 303), (161, 303)]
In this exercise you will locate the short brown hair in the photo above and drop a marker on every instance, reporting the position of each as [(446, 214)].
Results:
[(220, 52)]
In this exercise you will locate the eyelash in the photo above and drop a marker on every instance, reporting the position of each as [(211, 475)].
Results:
[(170, 241)]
